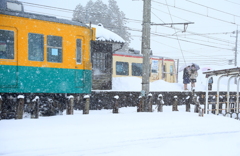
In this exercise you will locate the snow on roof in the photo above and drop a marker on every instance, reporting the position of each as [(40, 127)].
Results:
[(103, 34)]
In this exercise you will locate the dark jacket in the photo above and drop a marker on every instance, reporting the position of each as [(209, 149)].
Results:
[(186, 73)]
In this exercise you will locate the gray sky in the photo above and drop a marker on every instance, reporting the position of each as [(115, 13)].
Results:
[(208, 41)]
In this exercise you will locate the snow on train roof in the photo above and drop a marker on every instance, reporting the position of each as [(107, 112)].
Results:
[(103, 34)]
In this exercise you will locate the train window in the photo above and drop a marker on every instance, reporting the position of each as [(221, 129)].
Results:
[(54, 48), (6, 44), (136, 69), (35, 47), (79, 51), (171, 70), (163, 71), (101, 62), (154, 66), (122, 68)]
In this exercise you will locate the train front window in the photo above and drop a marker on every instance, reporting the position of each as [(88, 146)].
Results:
[(35, 47), (6, 44), (79, 51), (54, 49), (136, 69), (122, 68)]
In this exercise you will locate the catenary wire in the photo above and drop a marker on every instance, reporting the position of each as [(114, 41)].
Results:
[(233, 2), (212, 8), (196, 13)]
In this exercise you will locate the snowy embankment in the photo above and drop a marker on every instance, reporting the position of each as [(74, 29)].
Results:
[(127, 133)]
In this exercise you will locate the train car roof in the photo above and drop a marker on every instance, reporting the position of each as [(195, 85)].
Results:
[(40, 17), (140, 55)]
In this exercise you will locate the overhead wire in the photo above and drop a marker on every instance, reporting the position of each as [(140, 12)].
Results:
[(192, 42), (195, 13), (176, 35), (212, 8), (233, 2), (205, 36), (199, 55), (48, 14), (172, 15), (152, 33), (171, 27), (49, 7)]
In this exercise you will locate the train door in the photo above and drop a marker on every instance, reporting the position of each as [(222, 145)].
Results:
[(8, 57), (79, 74)]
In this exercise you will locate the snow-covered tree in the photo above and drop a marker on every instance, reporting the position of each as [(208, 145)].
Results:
[(79, 13), (109, 15), (117, 23)]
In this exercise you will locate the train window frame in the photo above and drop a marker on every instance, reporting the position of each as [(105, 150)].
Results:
[(11, 55), (54, 49), (122, 73), (38, 53), (135, 65), (79, 52)]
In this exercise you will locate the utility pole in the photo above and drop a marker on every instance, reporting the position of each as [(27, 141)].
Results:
[(146, 26)]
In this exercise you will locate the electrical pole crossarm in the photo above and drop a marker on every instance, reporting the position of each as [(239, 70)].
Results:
[(172, 23), (185, 24)]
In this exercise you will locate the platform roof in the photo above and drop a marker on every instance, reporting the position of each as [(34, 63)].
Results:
[(229, 71)]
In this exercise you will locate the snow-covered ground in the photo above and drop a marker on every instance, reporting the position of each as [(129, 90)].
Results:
[(125, 134), (128, 133)]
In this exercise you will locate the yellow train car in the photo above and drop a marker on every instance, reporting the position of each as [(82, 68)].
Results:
[(130, 65), (43, 54)]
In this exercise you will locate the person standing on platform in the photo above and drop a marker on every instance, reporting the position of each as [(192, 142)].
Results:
[(193, 76), (186, 77)]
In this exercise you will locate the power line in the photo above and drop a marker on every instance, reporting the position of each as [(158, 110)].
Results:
[(205, 41), (195, 13), (192, 42), (199, 55), (49, 7), (48, 14), (205, 34), (176, 35), (201, 35), (194, 33), (172, 15), (232, 2), (182, 40), (212, 8)]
